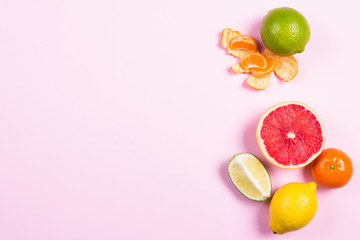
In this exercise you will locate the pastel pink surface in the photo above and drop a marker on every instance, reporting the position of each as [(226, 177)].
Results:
[(118, 118)]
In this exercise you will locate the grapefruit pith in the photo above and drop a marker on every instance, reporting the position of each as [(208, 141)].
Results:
[(290, 135)]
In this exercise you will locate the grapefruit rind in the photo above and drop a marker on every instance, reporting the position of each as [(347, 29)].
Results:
[(261, 144)]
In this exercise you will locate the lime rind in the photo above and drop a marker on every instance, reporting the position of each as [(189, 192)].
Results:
[(238, 158), (285, 31)]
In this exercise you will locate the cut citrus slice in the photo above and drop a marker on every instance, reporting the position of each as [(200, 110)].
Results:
[(253, 60), (270, 65), (244, 42), (238, 69), (290, 135), (259, 83), (250, 177)]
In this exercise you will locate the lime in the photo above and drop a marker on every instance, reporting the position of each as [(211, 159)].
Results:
[(285, 31), (250, 177)]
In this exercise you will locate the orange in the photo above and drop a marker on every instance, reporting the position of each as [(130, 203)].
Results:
[(290, 135), (253, 60), (332, 168)]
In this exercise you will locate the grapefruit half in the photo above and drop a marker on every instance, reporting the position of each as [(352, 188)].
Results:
[(290, 135)]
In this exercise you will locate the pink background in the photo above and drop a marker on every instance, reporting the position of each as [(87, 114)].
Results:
[(117, 118)]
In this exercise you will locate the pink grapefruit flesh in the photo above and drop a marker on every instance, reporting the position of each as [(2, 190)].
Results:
[(290, 135)]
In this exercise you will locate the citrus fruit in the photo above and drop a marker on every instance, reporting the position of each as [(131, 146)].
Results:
[(332, 168), (228, 35), (290, 135), (250, 177), (292, 207), (270, 65), (285, 31), (244, 42), (253, 60)]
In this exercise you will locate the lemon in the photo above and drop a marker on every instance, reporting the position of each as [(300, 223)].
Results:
[(250, 177), (285, 31), (292, 207)]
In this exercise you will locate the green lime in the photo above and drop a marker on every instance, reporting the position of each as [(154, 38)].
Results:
[(250, 177), (285, 31)]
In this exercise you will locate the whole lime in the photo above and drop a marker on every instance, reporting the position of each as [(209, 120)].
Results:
[(285, 31)]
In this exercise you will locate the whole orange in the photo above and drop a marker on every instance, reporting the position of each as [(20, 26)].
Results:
[(332, 168)]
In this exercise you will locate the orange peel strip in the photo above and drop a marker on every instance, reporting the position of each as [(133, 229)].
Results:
[(267, 53), (286, 68), (243, 42), (259, 83), (270, 66), (227, 36), (238, 69), (253, 60), (240, 54)]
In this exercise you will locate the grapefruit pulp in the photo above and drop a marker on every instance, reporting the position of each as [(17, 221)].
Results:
[(290, 135)]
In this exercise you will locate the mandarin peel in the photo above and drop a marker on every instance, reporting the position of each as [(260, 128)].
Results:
[(260, 65), (238, 69), (227, 36), (286, 68), (258, 83)]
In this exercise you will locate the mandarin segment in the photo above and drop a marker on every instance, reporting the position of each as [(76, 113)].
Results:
[(261, 65), (270, 66), (253, 60), (244, 42)]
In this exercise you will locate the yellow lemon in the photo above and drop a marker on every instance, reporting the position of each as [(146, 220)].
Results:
[(292, 207)]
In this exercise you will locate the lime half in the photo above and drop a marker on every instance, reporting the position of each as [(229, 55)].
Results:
[(250, 177)]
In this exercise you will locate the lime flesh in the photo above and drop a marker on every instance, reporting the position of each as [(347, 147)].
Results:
[(250, 177)]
